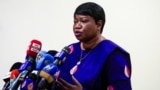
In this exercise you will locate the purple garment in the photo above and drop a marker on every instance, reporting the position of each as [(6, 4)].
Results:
[(106, 67)]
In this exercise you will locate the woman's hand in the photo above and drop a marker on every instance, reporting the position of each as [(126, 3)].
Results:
[(63, 85)]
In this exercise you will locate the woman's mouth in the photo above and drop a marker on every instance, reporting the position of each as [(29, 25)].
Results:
[(77, 33)]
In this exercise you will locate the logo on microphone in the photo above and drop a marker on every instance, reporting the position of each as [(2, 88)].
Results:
[(39, 56), (48, 67), (30, 86), (35, 47), (23, 84)]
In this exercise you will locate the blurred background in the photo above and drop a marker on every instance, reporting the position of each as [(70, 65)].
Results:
[(133, 24)]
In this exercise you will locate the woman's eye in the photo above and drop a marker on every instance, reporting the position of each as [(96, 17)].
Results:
[(84, 20)]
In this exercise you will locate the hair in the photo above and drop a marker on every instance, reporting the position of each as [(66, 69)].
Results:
[(92, 9)]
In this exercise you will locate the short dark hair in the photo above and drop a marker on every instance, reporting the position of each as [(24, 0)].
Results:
[(92, 9)]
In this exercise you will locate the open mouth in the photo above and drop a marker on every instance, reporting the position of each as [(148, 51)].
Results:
[(77, 33)]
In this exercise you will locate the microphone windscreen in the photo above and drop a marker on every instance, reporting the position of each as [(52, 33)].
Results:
[(16, 65), (47, 76), (6, 77), (43, 59), (52, 52), (48, 72)]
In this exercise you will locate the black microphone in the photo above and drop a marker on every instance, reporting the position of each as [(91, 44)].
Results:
[(16, 65), (52, 52)]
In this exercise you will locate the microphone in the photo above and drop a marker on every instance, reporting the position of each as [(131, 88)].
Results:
[(39, 61), (29, 64), (47, 77), (43, 58), (52, 52), (14, 85), (14, 75), (30, 82), (33, 49), (61, 56), (11, 72), (48, 72), (6, 79), (16, 65)]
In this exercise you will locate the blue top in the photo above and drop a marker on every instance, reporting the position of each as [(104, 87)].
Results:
[(106, 67)]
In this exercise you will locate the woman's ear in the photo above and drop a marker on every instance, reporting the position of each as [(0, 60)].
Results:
[(99, 25)]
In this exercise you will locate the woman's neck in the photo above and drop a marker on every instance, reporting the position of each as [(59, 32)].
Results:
[(92, 43)]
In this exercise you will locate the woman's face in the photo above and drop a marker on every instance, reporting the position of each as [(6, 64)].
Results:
[(85, 28)]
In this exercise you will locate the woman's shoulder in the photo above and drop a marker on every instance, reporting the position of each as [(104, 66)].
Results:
[(111, 45)]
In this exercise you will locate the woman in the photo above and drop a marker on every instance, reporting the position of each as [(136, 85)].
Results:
[(94, 63)]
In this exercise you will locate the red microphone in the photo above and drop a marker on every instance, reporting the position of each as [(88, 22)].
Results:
[(34, 47), (13, 76), (31, 54)]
